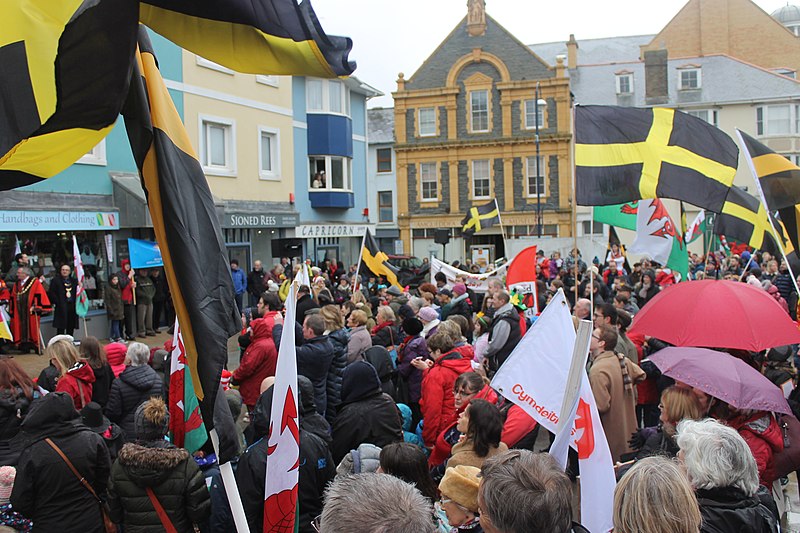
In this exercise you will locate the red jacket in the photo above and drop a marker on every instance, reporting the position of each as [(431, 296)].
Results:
[(441, 451), (763, 435), (80, 373), (518, 424), (116, 352), (258, 361), (466, 351), (437, 402)]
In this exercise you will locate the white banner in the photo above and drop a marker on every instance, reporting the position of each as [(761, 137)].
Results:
[(476, 282), (535, 377)]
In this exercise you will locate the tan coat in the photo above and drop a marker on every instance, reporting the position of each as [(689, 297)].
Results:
[(463, 454), (616, 406)]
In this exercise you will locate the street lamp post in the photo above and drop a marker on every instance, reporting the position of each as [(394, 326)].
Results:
[(537, 103)]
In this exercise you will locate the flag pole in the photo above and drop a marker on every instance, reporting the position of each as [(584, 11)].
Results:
[(574, 199), (357, 285), (775, 233), (744, 270)]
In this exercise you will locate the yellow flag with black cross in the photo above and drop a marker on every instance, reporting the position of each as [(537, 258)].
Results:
[(374, 262), (624, 154), (479, 218)]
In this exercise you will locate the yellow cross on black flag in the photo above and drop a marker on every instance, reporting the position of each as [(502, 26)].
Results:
[(744, 219), (624, 154), (479, 218), (375, 262)]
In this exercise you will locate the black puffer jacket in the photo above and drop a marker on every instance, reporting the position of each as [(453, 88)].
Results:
[(366, 414), (728, 509), (173, 476), (45, 490), (13, 408), (340, 340), (310, 419), (134, 386), (313, 360), (316, 470), (103, 378)]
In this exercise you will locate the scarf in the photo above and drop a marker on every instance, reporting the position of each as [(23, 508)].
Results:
[(626, 378)]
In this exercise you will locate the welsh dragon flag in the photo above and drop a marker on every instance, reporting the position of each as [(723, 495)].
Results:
[(185, 422), (81, 300), (283, 452), (656, 234)]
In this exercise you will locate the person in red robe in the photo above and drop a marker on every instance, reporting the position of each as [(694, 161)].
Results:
[(28, 303)]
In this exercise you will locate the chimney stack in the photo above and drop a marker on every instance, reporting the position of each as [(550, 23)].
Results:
[(656, 79)]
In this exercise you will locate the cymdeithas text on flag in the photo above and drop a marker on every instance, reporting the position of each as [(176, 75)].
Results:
[(625, 153), (81, 300), (534, 377), (283, 452), (185, 422)]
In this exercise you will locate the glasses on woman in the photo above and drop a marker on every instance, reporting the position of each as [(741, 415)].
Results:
[(462, 393)]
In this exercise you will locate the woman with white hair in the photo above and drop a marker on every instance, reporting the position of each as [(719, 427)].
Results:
[(134, 386), (724, 475)]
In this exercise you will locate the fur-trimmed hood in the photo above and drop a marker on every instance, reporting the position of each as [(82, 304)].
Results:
[(149, 466)]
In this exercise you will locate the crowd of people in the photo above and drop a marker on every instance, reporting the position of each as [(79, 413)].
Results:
[(400, 429)]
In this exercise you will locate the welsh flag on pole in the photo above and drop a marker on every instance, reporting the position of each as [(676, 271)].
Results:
[(697, 227), (81, 300), (283, 452), (185, 422)]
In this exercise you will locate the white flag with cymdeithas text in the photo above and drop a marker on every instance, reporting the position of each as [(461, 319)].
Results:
[(535, 377)]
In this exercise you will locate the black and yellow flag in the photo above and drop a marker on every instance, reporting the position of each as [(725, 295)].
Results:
[(625, 153), (376, 263), (479, 218), (65, 66), (779, 180), (186, 226), (744, 219)]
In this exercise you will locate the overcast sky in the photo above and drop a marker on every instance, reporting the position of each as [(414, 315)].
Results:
[(397, 36)]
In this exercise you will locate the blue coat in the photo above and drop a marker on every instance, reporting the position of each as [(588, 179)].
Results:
[(239, 281)]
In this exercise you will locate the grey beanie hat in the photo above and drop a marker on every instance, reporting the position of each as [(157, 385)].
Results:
[(151, 420)]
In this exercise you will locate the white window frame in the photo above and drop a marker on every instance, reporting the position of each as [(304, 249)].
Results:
[(713, 114), (272, 81), (618, 82), (326, 104), (426, 133), (762, 129), (347, 169), (207, 63), (229, 169), (432, 178), (95, 156), (530, 173), (487, 178), (472, 111), (529, 109), (682, 86), (273, 174)]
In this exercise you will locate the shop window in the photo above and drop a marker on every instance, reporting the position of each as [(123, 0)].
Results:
[(217, 146), (385, 208), (330, 173), (95, 156)]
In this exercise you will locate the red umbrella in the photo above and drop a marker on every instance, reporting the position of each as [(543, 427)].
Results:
[(716, 314)]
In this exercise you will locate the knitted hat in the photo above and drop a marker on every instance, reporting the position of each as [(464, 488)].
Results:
[(151, 420), (446, 292), (7, 475), (459, 289), (426, 314), (460, 484)]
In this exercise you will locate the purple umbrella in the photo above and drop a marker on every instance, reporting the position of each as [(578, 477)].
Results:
[(722, 376)]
